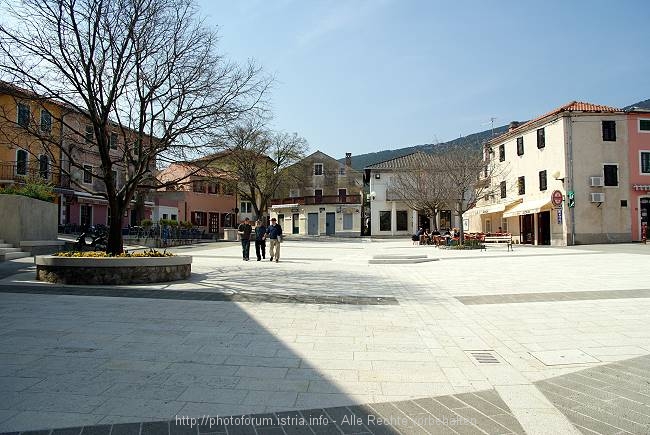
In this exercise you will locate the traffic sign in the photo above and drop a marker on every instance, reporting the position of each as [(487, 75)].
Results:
[(557, 197)]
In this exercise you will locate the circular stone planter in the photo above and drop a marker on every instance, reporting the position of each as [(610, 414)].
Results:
[(114, 271)]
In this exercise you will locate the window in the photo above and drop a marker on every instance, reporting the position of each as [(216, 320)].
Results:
[(541, 138), (113, 141), (343, 195), (384, 221), (88, 174), (44, 167), (445, 219), (402, 220), (85, 215), (23, 115), (502, 153), (164, 216), (294, 193), (347, 221), (318, 169), (21, 162), (198, 187), (46, 121), (341, 170), (644, 125), (199, 218), (504, 225), (609, 130), (521, 185), (542, 180), (89, 133), (246, 207), (318, 195), (520, 146), (174, 217), (502, 186), (611, 175), (623, 202), (645, 162)]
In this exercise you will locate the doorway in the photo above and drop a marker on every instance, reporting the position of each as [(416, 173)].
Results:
[(527, 226), (295, 222), (312, 224), (213, 223), (330, 223), (644, 211), (544, 228)]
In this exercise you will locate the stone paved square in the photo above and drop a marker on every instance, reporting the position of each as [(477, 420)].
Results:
[(325, 330)]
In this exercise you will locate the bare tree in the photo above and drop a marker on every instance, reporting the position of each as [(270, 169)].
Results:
[(468, 169), (455, 176), (144, 68), (420, 184), (260, 160)]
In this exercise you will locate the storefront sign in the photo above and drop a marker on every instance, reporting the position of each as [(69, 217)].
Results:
[(559, 215), (557, 197)]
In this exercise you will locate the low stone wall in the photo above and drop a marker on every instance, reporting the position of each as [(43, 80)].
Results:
[(26, 218), (112, 271)]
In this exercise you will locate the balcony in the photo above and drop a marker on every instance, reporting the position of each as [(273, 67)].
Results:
[(12, 172), (323, 199)]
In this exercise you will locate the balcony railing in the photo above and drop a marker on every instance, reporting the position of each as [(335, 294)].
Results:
[(20, 173), (324, 199)]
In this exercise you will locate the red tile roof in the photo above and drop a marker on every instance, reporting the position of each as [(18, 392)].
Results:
[(573, 106)]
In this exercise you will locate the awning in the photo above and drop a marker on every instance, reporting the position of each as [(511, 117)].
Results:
[(285, 206), (492, 208), (528, 207)]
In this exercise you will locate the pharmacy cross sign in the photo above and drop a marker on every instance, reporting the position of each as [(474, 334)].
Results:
[(557, 197)]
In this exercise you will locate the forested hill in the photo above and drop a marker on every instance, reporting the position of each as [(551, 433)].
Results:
[(363, 160)]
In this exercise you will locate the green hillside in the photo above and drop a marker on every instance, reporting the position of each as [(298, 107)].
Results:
[(363, 160)]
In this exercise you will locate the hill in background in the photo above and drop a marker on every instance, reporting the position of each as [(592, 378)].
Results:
[(363, 160)]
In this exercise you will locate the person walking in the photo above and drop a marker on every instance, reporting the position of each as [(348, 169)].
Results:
[(245, 231), (260, 240), (274, 233)]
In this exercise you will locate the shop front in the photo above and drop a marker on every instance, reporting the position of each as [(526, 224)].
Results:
[(533, 218)]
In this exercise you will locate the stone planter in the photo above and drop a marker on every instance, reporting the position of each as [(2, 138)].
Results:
[(112, 271)]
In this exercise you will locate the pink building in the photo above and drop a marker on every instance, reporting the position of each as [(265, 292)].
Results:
[(639, 155)]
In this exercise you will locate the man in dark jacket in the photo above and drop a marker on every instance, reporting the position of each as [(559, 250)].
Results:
[(245, 231), (260, 240), (274, 233)]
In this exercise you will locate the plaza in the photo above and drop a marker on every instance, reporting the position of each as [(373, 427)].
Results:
[(542, 340)]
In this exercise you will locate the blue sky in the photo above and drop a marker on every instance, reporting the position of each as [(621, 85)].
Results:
[(366, 75)]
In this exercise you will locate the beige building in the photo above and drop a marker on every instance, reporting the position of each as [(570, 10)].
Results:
[(562, 179), (321, 197)]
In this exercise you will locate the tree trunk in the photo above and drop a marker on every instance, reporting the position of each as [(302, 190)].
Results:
[(115, 245), (459, 212)]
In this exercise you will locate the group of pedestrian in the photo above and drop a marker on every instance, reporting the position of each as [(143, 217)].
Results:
[(273, 232)]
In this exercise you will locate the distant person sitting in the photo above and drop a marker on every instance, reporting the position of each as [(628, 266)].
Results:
[(499, 230), (435, 232), (416, 236)]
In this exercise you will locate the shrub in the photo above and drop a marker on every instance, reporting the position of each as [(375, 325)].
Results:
[(147, 223), (35, 188)]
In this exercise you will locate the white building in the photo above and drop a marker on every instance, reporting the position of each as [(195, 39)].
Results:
[(578, 150)]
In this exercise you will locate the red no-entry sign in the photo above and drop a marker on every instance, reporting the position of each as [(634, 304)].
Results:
[(557, 197)]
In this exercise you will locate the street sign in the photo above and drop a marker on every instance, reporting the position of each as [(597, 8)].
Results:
[(571, 198), (557, 197), (559, 215)]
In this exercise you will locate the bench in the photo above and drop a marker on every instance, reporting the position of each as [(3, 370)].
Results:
[(507, 239)]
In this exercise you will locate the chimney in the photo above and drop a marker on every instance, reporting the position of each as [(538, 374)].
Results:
[(513, 125), (348, 160)]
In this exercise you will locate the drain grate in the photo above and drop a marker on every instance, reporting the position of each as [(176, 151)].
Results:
[(484, 356)]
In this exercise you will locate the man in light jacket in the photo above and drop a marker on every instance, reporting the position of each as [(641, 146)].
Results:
[(274, 234)]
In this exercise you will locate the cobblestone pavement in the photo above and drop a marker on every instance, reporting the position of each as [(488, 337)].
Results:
[(353, 334), (471, 413), (609, 399)]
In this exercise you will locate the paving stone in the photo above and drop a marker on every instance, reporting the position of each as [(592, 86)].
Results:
[(97, 430), (126, 429), (67, 431)]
